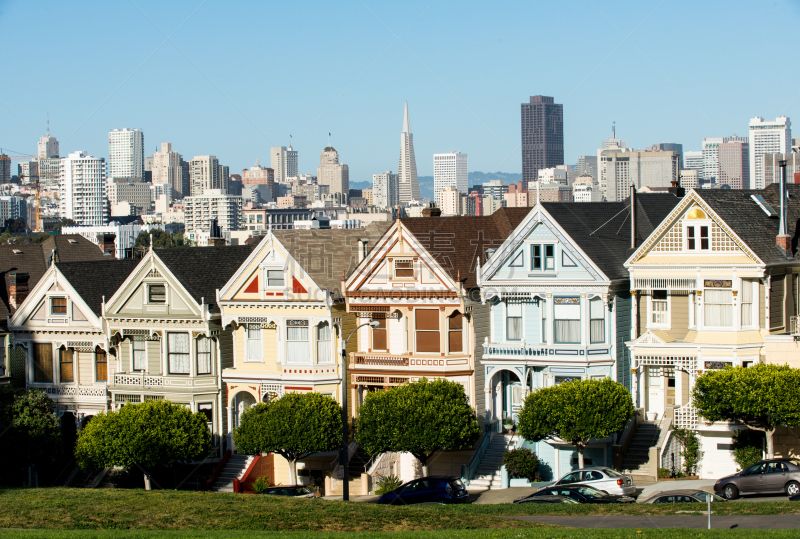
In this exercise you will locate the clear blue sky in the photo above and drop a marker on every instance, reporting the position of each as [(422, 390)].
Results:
[(238, 77)]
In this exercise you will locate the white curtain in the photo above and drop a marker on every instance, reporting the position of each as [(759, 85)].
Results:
[(597, 329), (139, 353), (297, 349), (514, 321), (178, 350), (718, 308), (203, 355), (255, 350), (543, 314), (567, 323), (324, 343), (747, 303)]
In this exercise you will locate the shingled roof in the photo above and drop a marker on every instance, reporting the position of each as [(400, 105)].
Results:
[(96, 279), (203, 270), (457, 242), (603, 229), (746, 218), (325, 253)]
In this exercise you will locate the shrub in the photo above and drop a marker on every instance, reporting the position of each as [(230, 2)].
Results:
[(261, 483), (521, 463), (663, 473), (747, 447), (690, 449), (387, 483)]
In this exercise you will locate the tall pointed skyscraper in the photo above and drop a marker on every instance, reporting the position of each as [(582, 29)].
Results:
[(407, 169)]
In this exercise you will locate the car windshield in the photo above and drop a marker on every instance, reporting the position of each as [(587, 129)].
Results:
[(703, 495), (611, 473), (299, 491), (456, 484), (591, 492)]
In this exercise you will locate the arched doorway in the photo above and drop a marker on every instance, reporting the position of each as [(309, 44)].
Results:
[(507, 391)]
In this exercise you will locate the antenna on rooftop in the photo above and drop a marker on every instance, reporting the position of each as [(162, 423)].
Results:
[(48, 124), (613, 129)]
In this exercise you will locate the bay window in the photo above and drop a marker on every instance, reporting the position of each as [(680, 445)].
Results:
[(455, 332), (101, 364), (514, 321), (659, 306), (203, 344), (139, 353), (324, 343), (297, 345), (718, 308), (543, 314), (427, 330), (747, 304), (379, 341), (66, 357), (253, 344), (567, 320), (597, 321), (43, 362), (178, 353)]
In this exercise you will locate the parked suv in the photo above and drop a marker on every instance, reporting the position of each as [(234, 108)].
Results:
[(773, 476), (436, 489), (605, 479)]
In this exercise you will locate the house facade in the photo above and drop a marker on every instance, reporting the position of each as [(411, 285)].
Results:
[(165, 333), (560, 310), (711, 284)]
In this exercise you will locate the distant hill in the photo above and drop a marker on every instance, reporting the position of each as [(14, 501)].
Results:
[(475, 178)]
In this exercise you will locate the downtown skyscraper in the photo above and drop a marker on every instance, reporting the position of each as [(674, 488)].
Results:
[(407, 169), (542, 136), (126, 153)]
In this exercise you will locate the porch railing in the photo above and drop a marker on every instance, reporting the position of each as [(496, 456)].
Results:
[(383, 361), (685, 417)]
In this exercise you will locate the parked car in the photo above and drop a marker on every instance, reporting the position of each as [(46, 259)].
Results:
[(546, 499), (443, 489), (683, 496), (768, 476), (295, 491), (579, 493), (605, 479)]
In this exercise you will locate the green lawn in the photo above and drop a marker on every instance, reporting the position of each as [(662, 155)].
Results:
[(120, 509)]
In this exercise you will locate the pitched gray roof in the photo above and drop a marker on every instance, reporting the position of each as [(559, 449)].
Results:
[(751, 223), (204, 270), (325, 253), (97, 279)]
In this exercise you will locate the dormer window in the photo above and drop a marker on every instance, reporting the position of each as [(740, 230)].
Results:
[(58, 306), (403, 269), (274, 278), (156, 293), (543, 257), (697, 230)]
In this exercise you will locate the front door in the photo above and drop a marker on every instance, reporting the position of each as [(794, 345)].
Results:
[(655, 401), (753, 478), (776, 476)]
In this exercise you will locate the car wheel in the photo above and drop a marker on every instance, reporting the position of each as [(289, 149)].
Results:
[(792, 488), (730, 492)]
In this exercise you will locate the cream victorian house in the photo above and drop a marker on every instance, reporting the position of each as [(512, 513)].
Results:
[(165, 330), (713, 281)]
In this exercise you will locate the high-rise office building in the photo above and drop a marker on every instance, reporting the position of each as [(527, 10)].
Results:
[(542, 136), (711, 156), (609, 144), (28, 171), (734, 166), (126, 153), (5, 168), (407, 169), (668, 147), (587, 166), (385, 190), (48, 146), (651, 169), (283, 161), (167, 169), (333, 174), (693, 160), (449, 170), (767, 137), (214, 204), (82, 189), (204, 174), (494, 189), (771, 165)]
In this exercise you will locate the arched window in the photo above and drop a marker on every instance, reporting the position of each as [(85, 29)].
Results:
[(324, 343), (455, 332), (65, 371)]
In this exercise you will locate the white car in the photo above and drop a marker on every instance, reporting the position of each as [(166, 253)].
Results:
[(605, 479)]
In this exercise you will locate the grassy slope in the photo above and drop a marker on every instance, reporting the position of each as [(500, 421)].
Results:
[(61, 508)]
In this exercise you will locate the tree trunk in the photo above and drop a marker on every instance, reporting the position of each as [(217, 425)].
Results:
[(424, 470), (293, 472), (147, 481), (770, 443), (580, 456)]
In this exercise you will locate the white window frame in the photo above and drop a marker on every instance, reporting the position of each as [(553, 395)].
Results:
[(265, 286), (148, 284), (308, 341), (248, 358), (413, 269), (210, 354), (328, 359), (50, 299), (696, 224), (521, 321), (754, 290), (604, 318), (134, 340), (734, 311), (651, 323)]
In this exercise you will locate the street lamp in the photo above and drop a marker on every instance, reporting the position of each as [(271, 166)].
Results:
[(345, 435)]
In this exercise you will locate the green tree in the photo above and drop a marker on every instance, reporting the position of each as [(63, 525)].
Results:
[(161, 239), (295, 426), (148, 435), (420, 418), (762, 397), (576, 412)]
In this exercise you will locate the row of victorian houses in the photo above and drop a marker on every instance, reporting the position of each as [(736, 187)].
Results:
[(651, 294)]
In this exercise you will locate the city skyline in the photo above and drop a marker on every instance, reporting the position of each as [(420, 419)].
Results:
[(452, 109)]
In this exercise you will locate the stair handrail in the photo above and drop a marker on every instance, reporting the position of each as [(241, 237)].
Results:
[(218, 470), (468, 473), (663, 438)]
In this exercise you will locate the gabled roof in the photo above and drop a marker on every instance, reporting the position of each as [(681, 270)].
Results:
[(93, 280), (456, 242), (603, 229), (748, 221), (203, 270), (325, 253)]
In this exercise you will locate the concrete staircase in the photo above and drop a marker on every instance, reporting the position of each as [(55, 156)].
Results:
[(637, 462), (488, 473), (234, 469)]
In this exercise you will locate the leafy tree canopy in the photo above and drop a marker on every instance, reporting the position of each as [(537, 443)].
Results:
[(420, 418), (161, 239), (576, 412), (151, 434), (295, 426), (33, 431), (763, 397)]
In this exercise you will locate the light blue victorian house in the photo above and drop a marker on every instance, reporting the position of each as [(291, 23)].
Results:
[(561, 309)]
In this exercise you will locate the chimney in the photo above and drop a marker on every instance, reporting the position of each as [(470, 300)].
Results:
[(431, 211), (784, 240), (362, 249), (215, 238), (633, 216), (107, 243), (18, 290)]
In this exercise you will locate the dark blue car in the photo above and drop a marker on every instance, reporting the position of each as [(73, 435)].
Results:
[(434, 489)]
